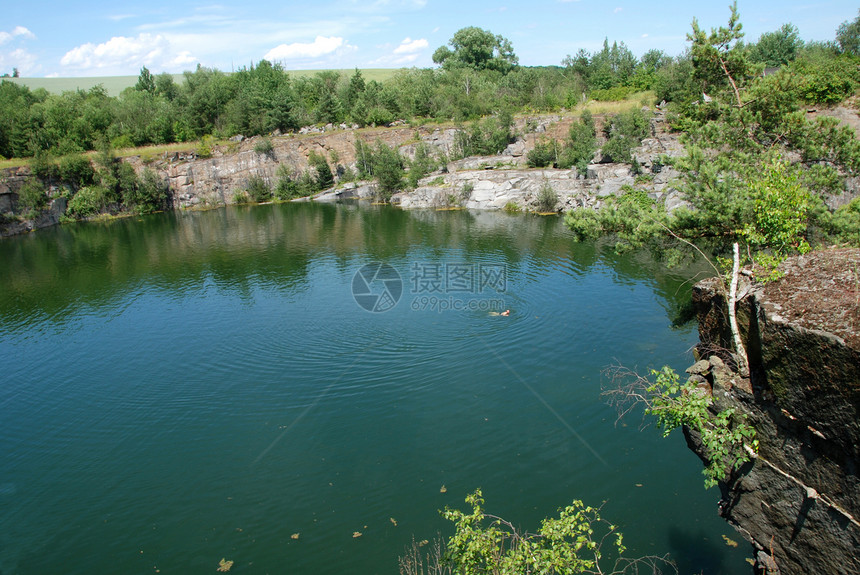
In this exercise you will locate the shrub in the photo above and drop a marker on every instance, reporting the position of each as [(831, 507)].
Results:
[(204, 150), (258, 189), (324, 177), (76, 170), (581, 145), (511, 208), (612, 94), (286, 188), (147, 195), (578, 540), (723, 435), (43, 166), (547, 198), (544, 154), (388, 170), (88, 201), (32, 197), (264, 147)]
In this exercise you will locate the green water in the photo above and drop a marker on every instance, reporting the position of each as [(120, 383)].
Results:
[(188, 387)]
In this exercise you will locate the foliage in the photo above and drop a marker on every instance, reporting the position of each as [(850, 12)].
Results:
[(545, 153), (204, 150), (848, 36), (88, 201), (547, 198), (625, 131), (578, 540), (844, 225), (478, 49), (719, 58), (780, 211), (147, 195), (258, 189), (387, 170), (778, 48), (581, 144), (324, 178), (287, 188), (485, 138), (32, 197), (723, 434), (264, 147), (421, 164), (76, 170)]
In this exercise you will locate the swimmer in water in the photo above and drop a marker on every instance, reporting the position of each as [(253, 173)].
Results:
[(505, 313)]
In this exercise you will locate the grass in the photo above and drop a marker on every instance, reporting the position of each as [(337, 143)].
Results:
[(113, 85), (633, 101)]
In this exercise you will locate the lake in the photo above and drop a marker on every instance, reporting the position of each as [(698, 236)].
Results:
[(187, 387)]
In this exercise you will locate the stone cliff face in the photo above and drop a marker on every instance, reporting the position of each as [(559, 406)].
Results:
[(478, 182), (798, 501)]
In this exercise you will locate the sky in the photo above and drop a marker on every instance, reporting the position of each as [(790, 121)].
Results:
[(43, 38)]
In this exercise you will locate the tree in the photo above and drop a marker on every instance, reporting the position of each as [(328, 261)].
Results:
[(387, 169), (324, 177), (778, 48), (848, 36), (145, 81), (719, 57), (478, 49)]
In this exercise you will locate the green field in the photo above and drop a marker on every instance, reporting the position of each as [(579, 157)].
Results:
[(116, 84)]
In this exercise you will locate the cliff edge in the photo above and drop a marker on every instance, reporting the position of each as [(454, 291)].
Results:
[(798, 501)]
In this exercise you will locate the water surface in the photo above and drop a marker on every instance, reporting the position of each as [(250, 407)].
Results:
[(188, 387)]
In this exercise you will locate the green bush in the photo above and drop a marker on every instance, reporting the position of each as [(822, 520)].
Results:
[(844, 225), (388, 170), (88, 201), (32, 197), (612, 94), (43, 166), (286, 188), (204, 150), (547, 198), (581, 145), (77, 170), (264, 147), (146, 195), (723, 435), (826, 81), (324, 177), (258, 189), (544, 154), (577, 540)]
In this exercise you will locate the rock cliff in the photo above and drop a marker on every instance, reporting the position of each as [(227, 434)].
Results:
[(798, 501), (477, 182)]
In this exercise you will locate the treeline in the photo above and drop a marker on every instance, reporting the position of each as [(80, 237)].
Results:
[(479, 76)]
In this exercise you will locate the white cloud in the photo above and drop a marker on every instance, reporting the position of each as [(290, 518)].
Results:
[(410, 46), (15, 55), (6, 37), (20, 59), (617, 10), (321, 46), (121, 53)]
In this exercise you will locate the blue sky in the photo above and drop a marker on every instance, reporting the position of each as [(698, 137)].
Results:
[(99, 38)]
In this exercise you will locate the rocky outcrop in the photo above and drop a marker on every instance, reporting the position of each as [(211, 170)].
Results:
[(798, 500), (479, 182)]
